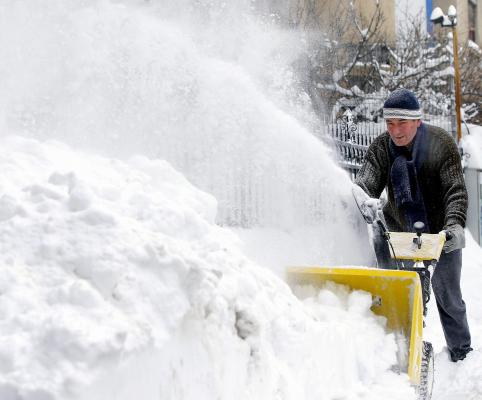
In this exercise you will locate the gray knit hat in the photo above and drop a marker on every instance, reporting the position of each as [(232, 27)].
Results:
[(402, 104)]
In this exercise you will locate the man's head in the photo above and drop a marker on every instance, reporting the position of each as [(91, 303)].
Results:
[(403, 116)]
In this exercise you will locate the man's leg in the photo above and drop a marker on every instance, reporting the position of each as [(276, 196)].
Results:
[(451, 307)]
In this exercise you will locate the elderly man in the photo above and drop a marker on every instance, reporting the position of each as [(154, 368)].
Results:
[(419, 165)]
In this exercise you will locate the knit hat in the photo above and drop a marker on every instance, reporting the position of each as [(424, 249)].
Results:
[(402, 104)]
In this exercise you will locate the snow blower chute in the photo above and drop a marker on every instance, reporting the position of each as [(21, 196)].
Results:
[(397, 295)]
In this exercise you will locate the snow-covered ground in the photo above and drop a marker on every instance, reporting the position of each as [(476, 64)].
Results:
[(462, 380), (117, 283)]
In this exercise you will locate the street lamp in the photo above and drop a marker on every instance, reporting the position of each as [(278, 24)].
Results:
[(450, 20)]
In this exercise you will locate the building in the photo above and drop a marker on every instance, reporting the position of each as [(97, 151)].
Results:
[(366, 10), (399, 13), (469, 18)]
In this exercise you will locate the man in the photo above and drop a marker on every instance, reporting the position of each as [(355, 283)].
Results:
[(420, 167)]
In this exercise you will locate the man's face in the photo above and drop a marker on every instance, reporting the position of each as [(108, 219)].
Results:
[(402, 131)]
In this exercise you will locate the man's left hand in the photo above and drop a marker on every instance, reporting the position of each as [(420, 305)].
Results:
[(455, 238)]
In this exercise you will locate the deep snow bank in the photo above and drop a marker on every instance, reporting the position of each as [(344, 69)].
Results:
[(116, 284)]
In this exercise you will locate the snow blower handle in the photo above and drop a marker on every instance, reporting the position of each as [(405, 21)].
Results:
[(418, 227)]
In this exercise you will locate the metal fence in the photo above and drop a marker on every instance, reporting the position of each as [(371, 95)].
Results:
[(352, 132)]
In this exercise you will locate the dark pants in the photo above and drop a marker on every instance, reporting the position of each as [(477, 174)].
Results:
[(446, 288)]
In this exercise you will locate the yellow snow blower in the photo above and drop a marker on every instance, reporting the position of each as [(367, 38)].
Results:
[(397, 295)]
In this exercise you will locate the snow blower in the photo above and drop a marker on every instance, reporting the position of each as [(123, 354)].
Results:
[(397, 295)]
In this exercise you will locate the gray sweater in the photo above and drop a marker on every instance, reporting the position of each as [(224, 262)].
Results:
[(440, 179)]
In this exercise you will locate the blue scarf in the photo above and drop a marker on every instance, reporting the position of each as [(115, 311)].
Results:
[(403, 174)]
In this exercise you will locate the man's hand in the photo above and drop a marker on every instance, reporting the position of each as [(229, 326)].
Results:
[(455, 238), (369, 207)]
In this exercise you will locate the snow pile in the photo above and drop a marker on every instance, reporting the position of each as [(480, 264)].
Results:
[(116, 284)]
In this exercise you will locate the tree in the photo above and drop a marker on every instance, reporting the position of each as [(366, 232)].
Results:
[(349, 63), (341, 56), (471, 81)]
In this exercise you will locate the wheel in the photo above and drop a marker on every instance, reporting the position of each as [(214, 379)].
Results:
[(426, 372)]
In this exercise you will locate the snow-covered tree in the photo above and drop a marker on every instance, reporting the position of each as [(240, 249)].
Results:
[(471, 81), (349, 63)]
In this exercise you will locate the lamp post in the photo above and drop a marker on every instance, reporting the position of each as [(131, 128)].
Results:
[(450, 20)]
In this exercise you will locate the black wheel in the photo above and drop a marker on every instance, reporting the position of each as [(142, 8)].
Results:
[(426, 372)]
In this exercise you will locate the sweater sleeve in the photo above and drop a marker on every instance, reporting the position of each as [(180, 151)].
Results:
[(455, 198), (372, 175)]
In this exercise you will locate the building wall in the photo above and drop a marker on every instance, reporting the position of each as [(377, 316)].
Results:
[(462, 7), (473, 183), (328, 11), (367, 8), (478, 36), (320, 14)]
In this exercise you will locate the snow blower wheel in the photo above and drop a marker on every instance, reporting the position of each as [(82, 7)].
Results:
[(426, 372)]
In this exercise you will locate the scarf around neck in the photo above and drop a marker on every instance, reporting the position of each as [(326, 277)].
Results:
[(404, 177)]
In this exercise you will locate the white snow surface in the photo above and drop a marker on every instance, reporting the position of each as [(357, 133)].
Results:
[(117, 284)]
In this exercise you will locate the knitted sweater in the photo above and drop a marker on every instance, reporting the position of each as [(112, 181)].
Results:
[(440, 179)]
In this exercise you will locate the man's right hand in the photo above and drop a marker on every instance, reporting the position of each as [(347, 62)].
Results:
[(369, 207)]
